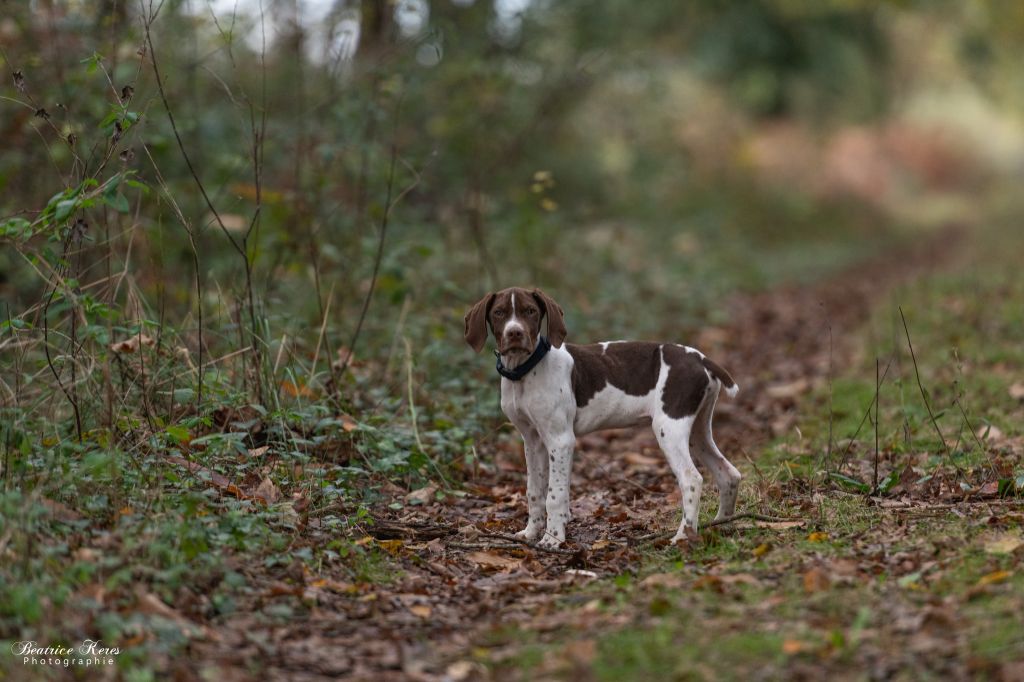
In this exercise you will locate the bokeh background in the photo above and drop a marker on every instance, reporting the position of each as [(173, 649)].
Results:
[(609, 151)]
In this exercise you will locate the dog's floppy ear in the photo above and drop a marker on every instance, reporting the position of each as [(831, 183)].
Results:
[(476, 322), (556, 322)]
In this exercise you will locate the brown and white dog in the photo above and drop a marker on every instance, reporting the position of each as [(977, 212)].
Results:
[(554, 391)]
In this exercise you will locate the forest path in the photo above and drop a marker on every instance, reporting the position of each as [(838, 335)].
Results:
[(457, 583)]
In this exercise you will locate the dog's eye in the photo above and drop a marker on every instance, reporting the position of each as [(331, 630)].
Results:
[(531, 312), (499, 313)]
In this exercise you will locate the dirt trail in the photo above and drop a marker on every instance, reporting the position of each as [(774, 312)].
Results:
[(457, 583)]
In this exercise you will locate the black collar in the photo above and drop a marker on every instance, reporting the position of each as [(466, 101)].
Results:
[(543, 346)]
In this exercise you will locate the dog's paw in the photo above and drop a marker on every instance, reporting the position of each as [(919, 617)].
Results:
[(550, 541), (686, 537), (529, 534)]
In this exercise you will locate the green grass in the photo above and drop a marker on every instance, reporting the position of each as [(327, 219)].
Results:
[(917, 592)]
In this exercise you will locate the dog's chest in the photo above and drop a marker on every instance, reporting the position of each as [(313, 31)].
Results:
[(542, 396)]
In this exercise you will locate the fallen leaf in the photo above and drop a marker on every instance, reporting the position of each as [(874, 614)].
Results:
[(669, 580), (334, 586), (267, 492), (492, 561), (461, 670), (739, 579), (580, 573), (421, 610), (581, 652), (989, 432), (392, 547), (778, 525), (708, 582), (642, 461), (219, 481), (761, 549), (788, 391), (1017, 390), (990, 489), (1007, 544), (279, 589), (791, 647), (151, 604), (421, 496), (994, 577), (60, 510), (299, 390), (600, 544), (133, 344), (815, 580), (817, 536)]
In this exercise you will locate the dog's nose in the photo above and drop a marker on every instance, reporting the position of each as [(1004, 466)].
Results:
[(515, 335)]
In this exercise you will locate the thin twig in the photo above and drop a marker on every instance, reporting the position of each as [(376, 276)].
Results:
[(867, 413), (874, 475), (924, 395), (413, 417), (528, 543), (388, 205), (722, 522)]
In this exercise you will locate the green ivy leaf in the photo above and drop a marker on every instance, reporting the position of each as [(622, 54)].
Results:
[(117, 201), (177, 433), (16, 227), (64, 209)]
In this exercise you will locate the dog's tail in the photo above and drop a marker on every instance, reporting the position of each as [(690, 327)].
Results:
[(718, 372)]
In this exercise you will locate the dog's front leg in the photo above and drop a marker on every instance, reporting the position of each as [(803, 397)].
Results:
[(560, 447), (536, 483)]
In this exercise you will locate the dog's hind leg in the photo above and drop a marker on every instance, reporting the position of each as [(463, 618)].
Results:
[(726, 476), (674, 437)]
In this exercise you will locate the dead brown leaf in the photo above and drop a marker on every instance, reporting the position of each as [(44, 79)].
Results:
[(267, 492), (582, 652), (421, 610), (296, 390), (789, 390), (662, 580), (1005, 544), (739, 579), (708, 582), (218, 480), (1017, 390), (778, 525), (816, 580), (993, 578), (991, 434), (791, 647), (132, 344), (492, 561), (642, 461), (421, 496)]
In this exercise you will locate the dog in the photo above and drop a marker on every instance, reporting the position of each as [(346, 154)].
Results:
[(554, 391)]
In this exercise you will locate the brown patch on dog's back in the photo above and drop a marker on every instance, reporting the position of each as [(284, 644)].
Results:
[(630, 366), (687, 382)]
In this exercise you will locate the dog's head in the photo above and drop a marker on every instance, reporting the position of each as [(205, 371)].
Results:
[(514, 316)]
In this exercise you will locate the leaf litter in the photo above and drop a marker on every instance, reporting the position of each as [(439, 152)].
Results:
[(462, 595)]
